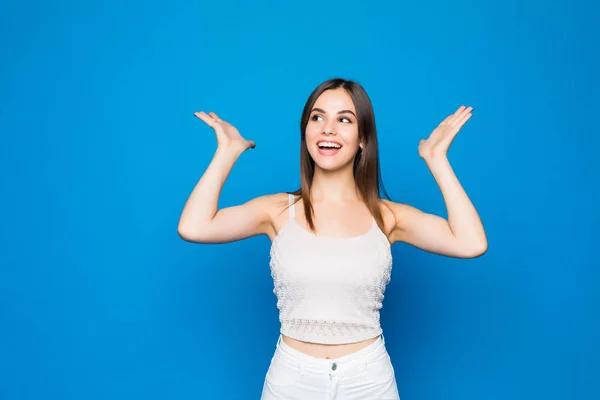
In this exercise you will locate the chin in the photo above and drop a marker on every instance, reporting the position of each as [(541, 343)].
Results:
[(329, 167), (331, 163)]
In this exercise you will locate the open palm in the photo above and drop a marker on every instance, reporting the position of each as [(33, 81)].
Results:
[(227, 135), (441, 138)]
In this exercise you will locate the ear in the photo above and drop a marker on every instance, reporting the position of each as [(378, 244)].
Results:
[(361, 145)]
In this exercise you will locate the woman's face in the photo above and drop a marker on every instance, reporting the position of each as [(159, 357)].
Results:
[(332, 130)]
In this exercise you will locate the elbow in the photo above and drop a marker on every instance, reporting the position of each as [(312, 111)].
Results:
[(188, 234), (471, 248), (183, 234), (199, 233), (477, 251)]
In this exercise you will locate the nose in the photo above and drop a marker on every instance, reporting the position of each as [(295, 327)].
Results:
[(329, 129)]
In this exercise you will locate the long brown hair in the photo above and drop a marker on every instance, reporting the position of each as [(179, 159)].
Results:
[(366, 162)]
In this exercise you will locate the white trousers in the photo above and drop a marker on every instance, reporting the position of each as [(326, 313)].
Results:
[(366, 374)]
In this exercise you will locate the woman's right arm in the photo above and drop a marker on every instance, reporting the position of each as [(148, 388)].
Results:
[(201, 221)]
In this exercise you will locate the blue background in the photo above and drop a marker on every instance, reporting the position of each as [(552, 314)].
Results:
[(100, 298)]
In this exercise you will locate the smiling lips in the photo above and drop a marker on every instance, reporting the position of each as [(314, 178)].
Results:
[(328, 147)]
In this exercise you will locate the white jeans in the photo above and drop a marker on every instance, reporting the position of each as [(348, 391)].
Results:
[(364, 374)]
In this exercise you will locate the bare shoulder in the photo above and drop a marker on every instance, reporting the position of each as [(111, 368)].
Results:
[(268, 204), (397, 218), (397, 209), (272, 206)]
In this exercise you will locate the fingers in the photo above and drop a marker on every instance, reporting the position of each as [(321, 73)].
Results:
[(463, 119), (448, 119), (211, 119), (215, 116), (459, 111), (461, 116), (206, 118)]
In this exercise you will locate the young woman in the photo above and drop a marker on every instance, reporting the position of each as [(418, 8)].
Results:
[(331, 241)]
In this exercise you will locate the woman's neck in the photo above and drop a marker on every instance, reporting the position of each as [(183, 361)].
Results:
[(334, 185)]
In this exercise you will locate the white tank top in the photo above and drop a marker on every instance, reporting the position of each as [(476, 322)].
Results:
[(329, 289)]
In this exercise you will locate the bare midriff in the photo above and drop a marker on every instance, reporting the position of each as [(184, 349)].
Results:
[(327, 351)]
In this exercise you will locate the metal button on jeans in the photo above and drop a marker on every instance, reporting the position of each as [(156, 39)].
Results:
[(334, 366)]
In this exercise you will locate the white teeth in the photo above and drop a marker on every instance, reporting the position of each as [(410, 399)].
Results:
[(330, 145)]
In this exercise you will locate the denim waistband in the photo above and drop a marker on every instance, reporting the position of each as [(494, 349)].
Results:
[(333, 366)]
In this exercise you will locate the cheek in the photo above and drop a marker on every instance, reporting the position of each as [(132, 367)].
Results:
[(350, 136), (310, 134)]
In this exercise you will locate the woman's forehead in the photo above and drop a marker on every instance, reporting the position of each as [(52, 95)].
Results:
[(334, 100)]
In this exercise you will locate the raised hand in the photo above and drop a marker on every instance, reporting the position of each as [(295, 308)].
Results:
[(227, 135), (441, 138)]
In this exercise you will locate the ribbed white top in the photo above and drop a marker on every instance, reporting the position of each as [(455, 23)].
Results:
[(329, 289)]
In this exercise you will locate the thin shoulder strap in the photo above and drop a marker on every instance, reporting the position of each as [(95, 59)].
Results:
[(291, 203)]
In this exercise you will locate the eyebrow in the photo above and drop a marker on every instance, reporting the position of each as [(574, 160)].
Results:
[(339, 112)]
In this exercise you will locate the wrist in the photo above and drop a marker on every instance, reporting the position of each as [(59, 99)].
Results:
[(438, 159), (228, 153), (229, 150)]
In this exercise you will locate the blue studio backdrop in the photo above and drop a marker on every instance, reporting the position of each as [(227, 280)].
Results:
[(101, 299)]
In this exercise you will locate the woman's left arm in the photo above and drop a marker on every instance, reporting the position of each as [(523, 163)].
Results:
[(462, 235)]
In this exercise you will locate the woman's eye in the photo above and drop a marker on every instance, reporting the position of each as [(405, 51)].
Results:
[(316, 117)]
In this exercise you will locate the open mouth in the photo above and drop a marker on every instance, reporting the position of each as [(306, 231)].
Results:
[(328, 148)]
